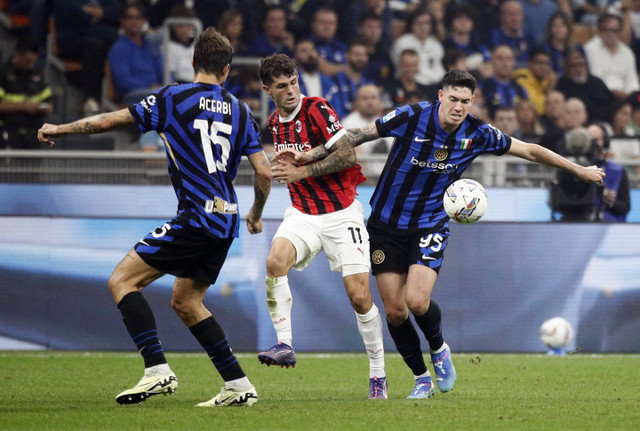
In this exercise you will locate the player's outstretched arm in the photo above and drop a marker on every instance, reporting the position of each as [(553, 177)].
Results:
[(86, 126), (538, 154), (354, 137), (261, 189)]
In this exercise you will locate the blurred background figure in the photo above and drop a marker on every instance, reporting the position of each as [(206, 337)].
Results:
[(397, 89), (135, 59), (531, 130), (180, 47), (85, 30), (323, 33), (610, 59), (420, 38), (25, 98), (511, 32), (554, 105), (313, 83), (575, 114), (579, 83), (380, 67), (351, 77), (501, 89), (506, 120), (614, 202), (275, 38), (538, 78), (231, 26), (558, 40), (620, 119), (460, 36), (367, 108)]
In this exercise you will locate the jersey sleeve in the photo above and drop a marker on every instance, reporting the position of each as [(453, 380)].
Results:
[(496, 141), (394, 124), (252, 135), (151, 112), (326, 122)]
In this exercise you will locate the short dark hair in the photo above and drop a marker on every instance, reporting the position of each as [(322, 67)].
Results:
[(212, 52), (459, 78), (275, 66), (536, 51)]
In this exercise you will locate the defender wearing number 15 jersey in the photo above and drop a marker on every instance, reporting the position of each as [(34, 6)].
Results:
[(205, 130), (314, 122), (424, 161)]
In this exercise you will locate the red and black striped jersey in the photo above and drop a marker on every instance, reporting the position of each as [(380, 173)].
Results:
[(314, 122)]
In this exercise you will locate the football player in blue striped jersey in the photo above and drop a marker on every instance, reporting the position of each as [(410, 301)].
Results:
[(206, 131)]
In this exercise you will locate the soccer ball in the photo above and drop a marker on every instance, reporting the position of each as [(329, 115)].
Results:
[(465, 201), (556, 333)]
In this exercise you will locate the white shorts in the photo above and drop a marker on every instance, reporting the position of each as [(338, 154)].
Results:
[(341, 234)]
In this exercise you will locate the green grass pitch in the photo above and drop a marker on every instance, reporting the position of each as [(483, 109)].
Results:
[(76, 391)]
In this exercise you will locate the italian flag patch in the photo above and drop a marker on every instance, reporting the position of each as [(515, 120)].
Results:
[(465, 143)]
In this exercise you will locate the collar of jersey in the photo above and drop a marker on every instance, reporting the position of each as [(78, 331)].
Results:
[(294, 113)]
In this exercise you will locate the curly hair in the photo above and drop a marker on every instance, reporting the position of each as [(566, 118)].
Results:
[(275, 66)]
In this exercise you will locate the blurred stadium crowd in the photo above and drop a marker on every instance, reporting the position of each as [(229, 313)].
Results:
[(544, 67)]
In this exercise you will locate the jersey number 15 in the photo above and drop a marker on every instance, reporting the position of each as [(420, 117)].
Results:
[(210, 137)]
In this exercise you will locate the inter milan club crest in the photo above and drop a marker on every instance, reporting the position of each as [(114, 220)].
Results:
[(377, 257), (298, 126), (440, 155)]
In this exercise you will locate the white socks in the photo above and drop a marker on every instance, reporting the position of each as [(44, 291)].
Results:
[(370, 327), (240, 384), (279, 302)]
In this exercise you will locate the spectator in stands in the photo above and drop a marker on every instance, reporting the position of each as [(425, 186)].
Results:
[(630, 33), (615, 203), (332, 51), (620, 119), (437, 10), (351, 78), (578, 82), (350, 15), (501, 89), (24, 98), (85, 30), (247, 86), (487, 13), (397, 89), (610, 59), (554, 105), (575, 114), (537, 78), (275, 37), (313, 83), (180, 47), (537, 14), (634, 101), (531, 130), (231, 25), (586, 12), (420, 38), (380, 67), (558, 40), (506, 120), (135, 59), (368, 106), (453, 59), (461, 25), (511, 32)]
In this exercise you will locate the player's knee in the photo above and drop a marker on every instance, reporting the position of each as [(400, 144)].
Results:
[(276, 265), (182, 308), (417, 304), (361, 300), (396, 315)]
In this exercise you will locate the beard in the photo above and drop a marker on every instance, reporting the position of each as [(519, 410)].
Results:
[(310, 65)]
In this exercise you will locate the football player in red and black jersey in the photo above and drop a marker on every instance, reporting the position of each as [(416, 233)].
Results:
[(324, 215)]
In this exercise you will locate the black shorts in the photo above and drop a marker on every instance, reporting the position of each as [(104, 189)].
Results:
[(394, 250), (184, 251)]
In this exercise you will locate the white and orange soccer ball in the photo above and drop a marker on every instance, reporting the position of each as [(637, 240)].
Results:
[(465, 201), (556, 333)]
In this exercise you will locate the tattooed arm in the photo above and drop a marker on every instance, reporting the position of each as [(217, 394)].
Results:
[(261, 189), (340, 156), (85, 126), (354, 137)]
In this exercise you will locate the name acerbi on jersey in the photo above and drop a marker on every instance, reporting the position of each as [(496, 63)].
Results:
[(438, 167), (217, 106), (298, 146)]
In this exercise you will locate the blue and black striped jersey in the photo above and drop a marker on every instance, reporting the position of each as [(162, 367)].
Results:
[(206, 131), (424, 160)]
